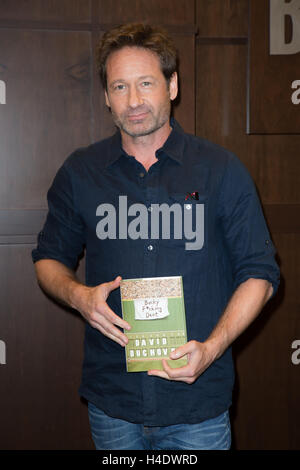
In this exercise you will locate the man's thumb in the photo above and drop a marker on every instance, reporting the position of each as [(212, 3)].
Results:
[(114, 284), (178, 352)]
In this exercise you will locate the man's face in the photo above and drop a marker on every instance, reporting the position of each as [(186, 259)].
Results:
[(137, 91)]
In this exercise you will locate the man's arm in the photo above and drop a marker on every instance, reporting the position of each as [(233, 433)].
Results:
[(61, 283), (244, 306)]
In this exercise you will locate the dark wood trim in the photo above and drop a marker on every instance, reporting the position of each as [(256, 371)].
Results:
[(44, 25), (85, 26), (18, 240), (21, 226), (248, 75), (221, 41)]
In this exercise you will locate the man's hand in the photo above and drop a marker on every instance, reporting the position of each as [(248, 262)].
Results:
[(92, 305), (199, 359), (243, 307)]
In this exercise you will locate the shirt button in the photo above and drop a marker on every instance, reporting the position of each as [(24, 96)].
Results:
[(141, 175), (267, 242), (150, 247), (150, 209)]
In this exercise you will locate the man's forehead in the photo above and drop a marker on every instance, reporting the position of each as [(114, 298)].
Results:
[(134, 53)]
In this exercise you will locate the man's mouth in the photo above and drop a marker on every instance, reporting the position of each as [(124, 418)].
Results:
[(137, 116)]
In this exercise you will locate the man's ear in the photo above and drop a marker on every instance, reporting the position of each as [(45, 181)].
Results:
[(106, 99), (173, 86)]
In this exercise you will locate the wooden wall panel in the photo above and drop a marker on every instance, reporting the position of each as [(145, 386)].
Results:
[(46, 10), (222, 18), (274, 163), (267, 389), (270, 106), (40, 407), (175, 12), (221, 117), (266, 409), (47, 112), (221, 94)]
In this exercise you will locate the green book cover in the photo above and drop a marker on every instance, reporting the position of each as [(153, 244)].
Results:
[(154, 307)]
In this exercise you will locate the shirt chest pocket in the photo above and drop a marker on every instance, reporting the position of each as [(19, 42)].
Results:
[(180, 220)]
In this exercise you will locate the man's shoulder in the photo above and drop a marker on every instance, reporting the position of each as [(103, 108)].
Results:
[(200, 148), (219, 160)]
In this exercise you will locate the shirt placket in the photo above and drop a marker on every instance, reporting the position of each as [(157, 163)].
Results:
[(150, 184)]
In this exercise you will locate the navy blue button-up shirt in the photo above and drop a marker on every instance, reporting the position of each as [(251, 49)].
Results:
[(91, 207)]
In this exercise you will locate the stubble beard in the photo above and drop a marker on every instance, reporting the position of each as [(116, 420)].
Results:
[(143, 127)]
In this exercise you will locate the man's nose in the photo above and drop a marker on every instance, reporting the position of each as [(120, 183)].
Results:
[(135, 98)]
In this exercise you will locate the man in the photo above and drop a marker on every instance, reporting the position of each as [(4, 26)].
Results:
[(227, 278)]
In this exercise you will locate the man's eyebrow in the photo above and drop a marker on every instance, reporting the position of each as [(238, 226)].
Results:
[(118, 80), (122, 80), (143, 77)]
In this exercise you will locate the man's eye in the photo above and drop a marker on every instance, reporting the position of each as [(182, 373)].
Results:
[(119, 87), (146, 84)]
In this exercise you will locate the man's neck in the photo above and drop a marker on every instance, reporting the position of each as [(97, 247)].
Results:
[(143, 148)]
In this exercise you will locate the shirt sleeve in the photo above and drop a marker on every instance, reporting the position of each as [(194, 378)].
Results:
[(62, 237), (250, 248)]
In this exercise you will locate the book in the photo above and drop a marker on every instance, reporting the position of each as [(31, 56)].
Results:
[(154, 308)]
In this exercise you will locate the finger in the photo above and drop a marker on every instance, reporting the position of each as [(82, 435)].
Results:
[(109, 324), (159, 373), (164, 375), (109, 286), (176, 372), (167, 372), (180, 374), (105, 311), (109, 330), (114, 338), (181, 351)]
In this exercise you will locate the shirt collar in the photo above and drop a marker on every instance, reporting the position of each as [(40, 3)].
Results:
[(173, 147)]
